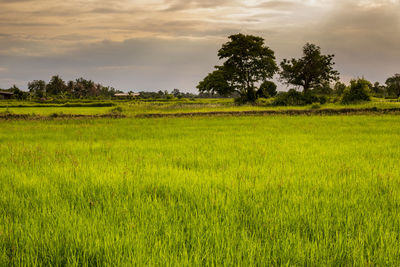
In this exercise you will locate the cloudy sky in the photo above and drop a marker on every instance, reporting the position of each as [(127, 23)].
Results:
[(165, 44)]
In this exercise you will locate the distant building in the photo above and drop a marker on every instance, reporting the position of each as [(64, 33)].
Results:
[(6, 95), (127, 95)]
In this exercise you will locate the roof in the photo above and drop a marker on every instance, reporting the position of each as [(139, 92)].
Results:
[(123, 94), (6, 93), (127, 94)]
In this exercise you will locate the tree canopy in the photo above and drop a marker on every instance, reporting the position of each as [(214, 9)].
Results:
[(56, 86), (80, 88), (358, 91), (215, 83), (248, 62), (267, 89), (393, 84), (310, 71)]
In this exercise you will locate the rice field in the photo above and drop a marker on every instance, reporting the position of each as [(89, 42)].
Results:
[(243, 191), (138, 107)]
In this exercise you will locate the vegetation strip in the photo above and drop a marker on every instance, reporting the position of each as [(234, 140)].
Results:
[(66, 105), (345, 111), (11, 116)]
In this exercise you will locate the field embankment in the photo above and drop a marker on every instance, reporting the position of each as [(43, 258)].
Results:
[(292, 112)]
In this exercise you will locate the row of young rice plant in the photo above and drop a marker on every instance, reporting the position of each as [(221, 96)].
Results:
[(201, 191)]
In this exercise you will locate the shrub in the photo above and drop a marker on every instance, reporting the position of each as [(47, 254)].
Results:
[(358, 91), (315, 106), (295, 98), (248, 97), (117, 110), (264, 101), (267, 90), (322, 100)]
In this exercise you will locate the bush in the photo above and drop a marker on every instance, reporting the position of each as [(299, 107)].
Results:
[(267, 90), (315, 106), (357, 92), (322, 100), (264, 101), (295, 98), (249, 97), (117, 110)]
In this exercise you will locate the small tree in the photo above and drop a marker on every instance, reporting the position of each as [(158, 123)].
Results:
[(176, 93), (37, 88), (393, 85), (18, 93), (267, 89), (310, 71), (378, 90), (339, 88), (358, 91)]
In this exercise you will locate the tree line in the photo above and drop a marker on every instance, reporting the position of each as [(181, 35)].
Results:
[(249, 65), (246, 73), (57, 87), (88, 89)]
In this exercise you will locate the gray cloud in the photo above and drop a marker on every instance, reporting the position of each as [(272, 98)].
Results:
[(135, 64), (366, 42), (173, 43)]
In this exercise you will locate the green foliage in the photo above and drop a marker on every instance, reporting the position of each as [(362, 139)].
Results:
[(215, 83), (310, 71), (56, 86), (323, 89), (117, 110), (18, 94), (37, 88), (247, 62), (80, 88), (267, 90), (339, 88), (295, 98), (379, 90), (358, 91), (315, 106), (393, 85)]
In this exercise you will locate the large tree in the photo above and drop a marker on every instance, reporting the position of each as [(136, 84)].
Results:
[(309, 71), (248, 62), (393, 85)]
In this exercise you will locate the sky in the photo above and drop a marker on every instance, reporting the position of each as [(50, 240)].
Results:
[(149, 45)]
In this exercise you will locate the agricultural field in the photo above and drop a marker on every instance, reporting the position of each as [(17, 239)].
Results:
[(139, 107), (272, 190)]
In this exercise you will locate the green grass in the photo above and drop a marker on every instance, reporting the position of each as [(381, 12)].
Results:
[(205, 191), (133, 108)]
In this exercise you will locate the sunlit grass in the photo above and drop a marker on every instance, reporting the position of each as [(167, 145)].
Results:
[(205, 191), (133, 108)]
